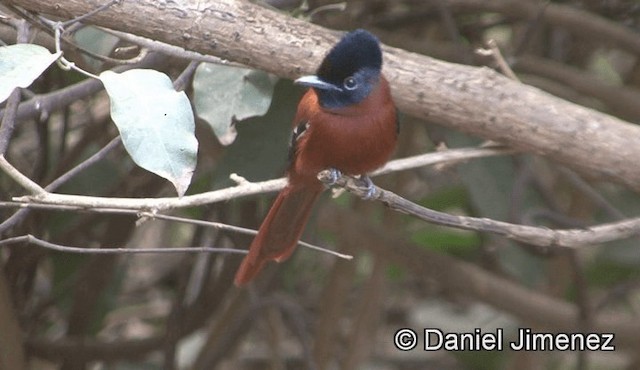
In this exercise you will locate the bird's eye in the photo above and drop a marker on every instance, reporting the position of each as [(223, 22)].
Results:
[(350, 83)]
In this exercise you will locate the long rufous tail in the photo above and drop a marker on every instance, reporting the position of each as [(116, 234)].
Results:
[(280, 231)]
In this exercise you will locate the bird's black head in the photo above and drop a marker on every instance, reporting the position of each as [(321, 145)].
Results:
[(349, 72)]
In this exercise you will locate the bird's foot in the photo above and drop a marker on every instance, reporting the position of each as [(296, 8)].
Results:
[(368, 186), (334, 175)]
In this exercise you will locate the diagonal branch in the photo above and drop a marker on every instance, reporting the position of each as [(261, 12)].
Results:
[(21, 179), (539, 236), (30, 239), (469, 99)]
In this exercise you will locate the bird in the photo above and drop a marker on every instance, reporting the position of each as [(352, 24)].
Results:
[(347, 123)]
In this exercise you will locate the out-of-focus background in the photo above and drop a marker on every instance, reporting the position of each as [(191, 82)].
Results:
[(62, 310)]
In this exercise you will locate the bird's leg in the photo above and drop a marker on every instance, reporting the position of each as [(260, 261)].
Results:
[(362, 181), (368, 186), (334, 175)]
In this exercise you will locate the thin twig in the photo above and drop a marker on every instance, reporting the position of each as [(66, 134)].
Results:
[(249, 188), (587, 189), (30, 239), (98, 156), (236, 229), (159, 216), (158, 204), (21, 214), (539, 236), (89, 14), (181, 82), (450, 156), (63, 62), (21, 179), (494, 52)]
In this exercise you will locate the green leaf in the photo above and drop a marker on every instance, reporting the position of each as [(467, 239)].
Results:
[(156, 123), (224, 94), (260, 152), (20, 65)]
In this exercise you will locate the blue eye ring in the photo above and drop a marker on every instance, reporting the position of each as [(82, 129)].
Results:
[(350, 83)]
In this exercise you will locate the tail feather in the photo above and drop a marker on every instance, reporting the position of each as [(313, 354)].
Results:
[(280, 231)]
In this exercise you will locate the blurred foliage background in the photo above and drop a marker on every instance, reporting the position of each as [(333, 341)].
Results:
[(316, 311)]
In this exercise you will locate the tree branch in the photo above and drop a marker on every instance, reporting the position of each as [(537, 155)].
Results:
[(30, 239), (244, 188), (18, 177), (145, 215), (470, 99), (539, 236)]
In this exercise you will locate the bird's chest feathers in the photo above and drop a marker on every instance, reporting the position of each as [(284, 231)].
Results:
[(353, 143)]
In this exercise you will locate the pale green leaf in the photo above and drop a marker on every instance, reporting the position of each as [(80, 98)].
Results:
[(20, 65), (223, 94), (156, 123)]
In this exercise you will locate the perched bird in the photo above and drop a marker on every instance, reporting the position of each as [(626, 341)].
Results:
[(345, 122)]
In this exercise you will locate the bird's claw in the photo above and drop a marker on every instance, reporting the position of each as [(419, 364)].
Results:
[(334, 175), (363, 182), (370, 188)]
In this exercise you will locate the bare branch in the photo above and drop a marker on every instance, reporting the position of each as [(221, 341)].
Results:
[(18, 216), (237, 229), (475, 100), (245, 188), (21, 179), (539, 236), (99, 155), (143, 215), (494, 52), (30, 239), (448, 157), (159, 204)]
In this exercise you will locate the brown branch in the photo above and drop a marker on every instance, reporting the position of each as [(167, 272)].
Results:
[(539, 236), (474, 100)]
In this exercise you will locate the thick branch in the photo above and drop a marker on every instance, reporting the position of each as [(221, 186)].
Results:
[(474, 100)]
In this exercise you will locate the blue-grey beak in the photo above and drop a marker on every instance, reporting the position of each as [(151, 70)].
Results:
[(315, 82)]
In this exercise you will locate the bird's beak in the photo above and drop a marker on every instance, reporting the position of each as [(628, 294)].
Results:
[(315, 82)]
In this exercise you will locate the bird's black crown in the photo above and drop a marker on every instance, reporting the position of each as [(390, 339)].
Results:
[(356, 51)]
